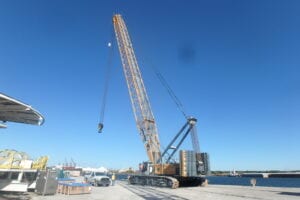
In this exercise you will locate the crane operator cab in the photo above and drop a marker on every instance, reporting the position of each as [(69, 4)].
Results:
[(100, 127)]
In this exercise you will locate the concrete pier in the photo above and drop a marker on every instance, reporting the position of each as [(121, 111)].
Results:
[(123, 191), (273, 175)]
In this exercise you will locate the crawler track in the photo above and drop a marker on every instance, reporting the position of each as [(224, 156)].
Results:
[(166, 181), (158, 181)]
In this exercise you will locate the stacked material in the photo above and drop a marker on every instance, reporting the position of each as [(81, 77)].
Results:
[(187, 163), (68, 186)]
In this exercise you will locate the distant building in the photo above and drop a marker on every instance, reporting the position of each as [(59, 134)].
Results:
[(206, 163), (127, 170)]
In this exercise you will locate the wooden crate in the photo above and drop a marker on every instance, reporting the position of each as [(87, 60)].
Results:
[(62, 182), (74, 188)]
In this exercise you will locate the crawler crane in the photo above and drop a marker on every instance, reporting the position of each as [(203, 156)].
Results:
[(160, 170)]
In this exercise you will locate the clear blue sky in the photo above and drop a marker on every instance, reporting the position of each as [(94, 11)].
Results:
[(233, 64)]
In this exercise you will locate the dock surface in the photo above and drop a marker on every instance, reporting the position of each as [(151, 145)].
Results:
[(122, 191)]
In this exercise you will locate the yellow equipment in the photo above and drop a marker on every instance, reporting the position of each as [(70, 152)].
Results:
[(12, 159)]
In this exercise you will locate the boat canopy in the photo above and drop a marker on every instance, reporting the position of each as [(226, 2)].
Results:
[(12, 110)]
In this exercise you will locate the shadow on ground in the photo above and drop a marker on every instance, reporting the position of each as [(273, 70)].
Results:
[(290, 193), (14, 196)]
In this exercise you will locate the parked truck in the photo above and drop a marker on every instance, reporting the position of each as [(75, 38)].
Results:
[(97, 179)]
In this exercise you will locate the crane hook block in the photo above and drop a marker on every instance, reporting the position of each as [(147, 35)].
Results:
[(100, 127)]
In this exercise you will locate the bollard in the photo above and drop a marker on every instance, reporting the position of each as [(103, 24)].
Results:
[(205, 183), (253, 182)]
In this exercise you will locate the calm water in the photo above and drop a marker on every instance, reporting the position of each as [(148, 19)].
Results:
[(267, 182), (245, 181)]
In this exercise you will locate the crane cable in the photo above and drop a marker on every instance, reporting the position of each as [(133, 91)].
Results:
[(169, 90), (106, 83), (194, 134)]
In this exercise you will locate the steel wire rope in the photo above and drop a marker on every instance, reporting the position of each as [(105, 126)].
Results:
[(106, 82), (169, 89), (171, 94), (194, 135)]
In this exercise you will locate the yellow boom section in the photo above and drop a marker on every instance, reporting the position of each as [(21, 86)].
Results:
[(140, 103)]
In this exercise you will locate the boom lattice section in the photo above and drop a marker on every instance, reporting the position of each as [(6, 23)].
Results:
[(138, 96)]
